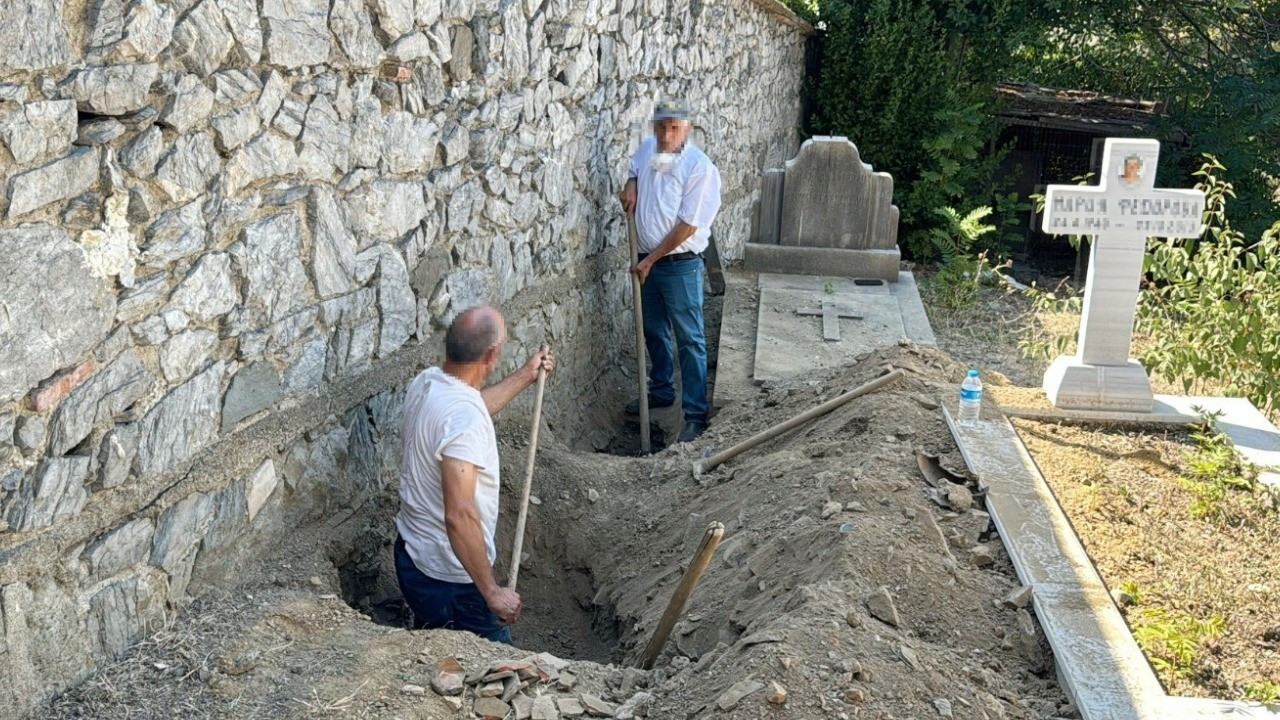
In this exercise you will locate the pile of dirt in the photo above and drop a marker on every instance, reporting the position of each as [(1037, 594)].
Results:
[(840, 590)]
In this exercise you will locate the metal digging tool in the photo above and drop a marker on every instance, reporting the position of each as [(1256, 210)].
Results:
[(641, 375), (528, 479), (675, 608), (804, 417)]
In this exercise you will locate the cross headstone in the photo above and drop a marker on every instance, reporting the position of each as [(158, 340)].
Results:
[(1121, 212), (830, 320)]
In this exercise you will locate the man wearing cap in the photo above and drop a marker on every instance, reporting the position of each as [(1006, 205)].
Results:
[(673, 190)]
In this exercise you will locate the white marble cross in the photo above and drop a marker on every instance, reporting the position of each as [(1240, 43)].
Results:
[(1121, 212)]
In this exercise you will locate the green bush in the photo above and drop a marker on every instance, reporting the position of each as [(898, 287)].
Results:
[(1224, 485), (1173, 641), (1211, 305), (912, 84), (961, 271)]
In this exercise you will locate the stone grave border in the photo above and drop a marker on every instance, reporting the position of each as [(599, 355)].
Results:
[(1099, 663)]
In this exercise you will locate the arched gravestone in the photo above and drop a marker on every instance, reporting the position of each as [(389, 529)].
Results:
[(826, 213), (1120, 213)]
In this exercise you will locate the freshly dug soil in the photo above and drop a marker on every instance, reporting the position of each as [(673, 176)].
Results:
[(838, 580), (1122, 492)]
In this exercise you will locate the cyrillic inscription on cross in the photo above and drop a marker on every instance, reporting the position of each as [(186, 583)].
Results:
[(1120, 213)]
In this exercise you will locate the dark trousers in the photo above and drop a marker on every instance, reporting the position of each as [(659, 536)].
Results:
[(672, 301), (440, 604)]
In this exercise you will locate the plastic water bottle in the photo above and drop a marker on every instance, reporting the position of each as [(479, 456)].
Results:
[(970, 399)]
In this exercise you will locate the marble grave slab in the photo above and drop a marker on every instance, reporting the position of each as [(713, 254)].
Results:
[(789, 344)]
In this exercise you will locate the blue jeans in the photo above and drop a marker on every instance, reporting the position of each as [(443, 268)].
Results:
[(440, 604), (672, 299)]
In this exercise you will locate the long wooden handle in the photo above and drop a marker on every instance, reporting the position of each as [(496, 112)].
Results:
[(675, 608), (800, 419), (639, 318), (528, 480)]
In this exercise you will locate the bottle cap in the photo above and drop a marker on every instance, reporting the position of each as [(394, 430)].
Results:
[(973, 373)]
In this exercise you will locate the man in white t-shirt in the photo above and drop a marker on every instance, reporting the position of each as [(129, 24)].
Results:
[(673, 190), (449, 482)]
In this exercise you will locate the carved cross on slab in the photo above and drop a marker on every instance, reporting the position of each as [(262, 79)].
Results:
[(830, 320)]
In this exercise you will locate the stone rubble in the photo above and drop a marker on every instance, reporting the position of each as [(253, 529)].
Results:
[(1019, 597), (489, 708), (982, 556), (570, 708), (777, 694), (544, 708), (448, 677)]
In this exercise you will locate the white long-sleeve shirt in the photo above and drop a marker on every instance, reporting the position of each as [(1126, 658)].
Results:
[(689, 191)]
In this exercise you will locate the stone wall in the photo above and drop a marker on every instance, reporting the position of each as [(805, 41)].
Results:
[(231, 229)]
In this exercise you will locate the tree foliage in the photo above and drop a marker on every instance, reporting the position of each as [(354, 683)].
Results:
[(911, 82), (1212, 305), (1214, 63)]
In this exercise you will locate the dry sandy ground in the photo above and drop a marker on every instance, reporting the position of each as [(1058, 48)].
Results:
[(823, 526), (1122, 491)]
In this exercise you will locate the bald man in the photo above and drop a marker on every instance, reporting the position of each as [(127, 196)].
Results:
[(449, 482)]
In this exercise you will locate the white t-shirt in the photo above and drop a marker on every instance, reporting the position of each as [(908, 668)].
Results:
[(444, 417), (688, 191)]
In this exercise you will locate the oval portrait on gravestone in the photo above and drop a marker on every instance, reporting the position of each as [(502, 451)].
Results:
[(1131, 171)]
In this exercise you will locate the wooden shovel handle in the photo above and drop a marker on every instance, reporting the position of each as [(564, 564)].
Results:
[(675, 608), (643, 378), (528, 479)]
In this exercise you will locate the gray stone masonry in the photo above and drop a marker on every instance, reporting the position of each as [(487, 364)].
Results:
[(826, 212), (255, 218)]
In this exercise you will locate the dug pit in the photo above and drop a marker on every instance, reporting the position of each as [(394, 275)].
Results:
[(838, 581), (563, 613)]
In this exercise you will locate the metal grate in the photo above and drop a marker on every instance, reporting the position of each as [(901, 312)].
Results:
[(1046, 156)]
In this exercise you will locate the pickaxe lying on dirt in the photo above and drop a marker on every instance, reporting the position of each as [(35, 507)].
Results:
[(804, 417)]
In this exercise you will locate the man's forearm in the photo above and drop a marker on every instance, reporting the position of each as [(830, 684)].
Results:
[(681, 232), (466, 537), (498, 395)]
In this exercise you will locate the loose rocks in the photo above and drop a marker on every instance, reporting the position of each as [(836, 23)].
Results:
[(880, 605), (448, 677), (730, 698), (959, 497), (596, 707), (777, 694), (491, 709), (982, 556), (1019, 598)]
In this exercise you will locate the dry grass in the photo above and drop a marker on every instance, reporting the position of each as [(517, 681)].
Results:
[(172, 662), (1205, 587)]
